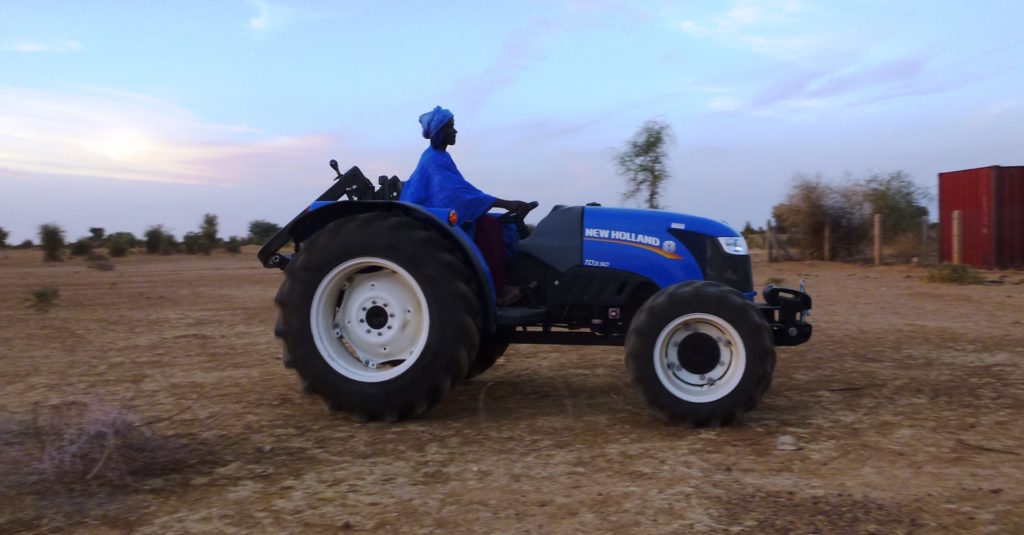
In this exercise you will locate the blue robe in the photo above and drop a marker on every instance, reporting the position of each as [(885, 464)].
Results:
[(437, 183)]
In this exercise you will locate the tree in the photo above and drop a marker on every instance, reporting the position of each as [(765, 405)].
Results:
[(642, 162), (51, 236), (260, 231), (97, 233), (811, 204), (209, 229), (3, 238), (899, 200)]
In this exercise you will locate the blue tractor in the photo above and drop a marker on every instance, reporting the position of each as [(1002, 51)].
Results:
[(386, 305)]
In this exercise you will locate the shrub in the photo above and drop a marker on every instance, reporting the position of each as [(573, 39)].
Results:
[(51, 236), (3, 238), (260, 231), (950, 273), (27, 244), (90, 443), (117, 247), (128, 238), (45, 297), (196, 242), (233, 245), (209, 229), (82, 247), (159, 241)]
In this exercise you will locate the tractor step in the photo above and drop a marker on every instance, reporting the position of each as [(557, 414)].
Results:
[(520, 315)]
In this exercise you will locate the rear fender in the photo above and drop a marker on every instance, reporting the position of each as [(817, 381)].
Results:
[(322, 213)]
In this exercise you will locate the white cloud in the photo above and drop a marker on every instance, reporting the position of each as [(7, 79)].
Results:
[(117, 135), (40, 47), (259, 22), (751, 23), (995, 111)]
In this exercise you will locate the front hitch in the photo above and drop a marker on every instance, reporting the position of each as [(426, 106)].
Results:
[(786, 311)]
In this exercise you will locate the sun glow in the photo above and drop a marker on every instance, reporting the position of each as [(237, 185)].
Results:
[(123, 146)]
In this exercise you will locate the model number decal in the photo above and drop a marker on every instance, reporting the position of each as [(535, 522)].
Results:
[(598, 263)]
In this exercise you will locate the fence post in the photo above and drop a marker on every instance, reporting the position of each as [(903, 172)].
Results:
[(957, 238), (828, 228), (878, 239)]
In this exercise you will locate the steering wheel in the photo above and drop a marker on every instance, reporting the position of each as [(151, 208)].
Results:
[(517, 219)]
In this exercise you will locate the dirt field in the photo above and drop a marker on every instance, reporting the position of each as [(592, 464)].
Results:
[(903, 414)]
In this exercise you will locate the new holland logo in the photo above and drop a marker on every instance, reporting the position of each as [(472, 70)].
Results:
[(633, 239), (621, 235)]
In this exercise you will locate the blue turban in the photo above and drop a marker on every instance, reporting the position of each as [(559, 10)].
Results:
[(434, 120)]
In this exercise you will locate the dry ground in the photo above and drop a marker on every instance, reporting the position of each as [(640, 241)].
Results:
[(906, 408)]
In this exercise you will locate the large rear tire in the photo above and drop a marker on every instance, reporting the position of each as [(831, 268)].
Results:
[(492, 346), (700, 353), (377, 316)]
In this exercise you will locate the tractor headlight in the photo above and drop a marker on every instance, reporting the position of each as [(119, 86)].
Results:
[(734, 245)]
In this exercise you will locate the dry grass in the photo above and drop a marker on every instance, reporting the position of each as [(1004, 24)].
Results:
[(950, 273), (906, 409)]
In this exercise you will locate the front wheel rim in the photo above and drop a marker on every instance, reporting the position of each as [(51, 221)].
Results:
[(369, 319), (699, 357)]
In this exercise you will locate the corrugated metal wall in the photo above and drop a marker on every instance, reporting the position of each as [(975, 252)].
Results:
[(1010, 218), (991, 203)]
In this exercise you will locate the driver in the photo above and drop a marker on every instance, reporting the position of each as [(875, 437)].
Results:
[(437, 183)]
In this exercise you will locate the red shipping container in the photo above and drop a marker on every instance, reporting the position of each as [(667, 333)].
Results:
[(991, 204)]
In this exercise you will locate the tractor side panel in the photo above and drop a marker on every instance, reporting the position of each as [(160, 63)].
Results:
[(639, 241)]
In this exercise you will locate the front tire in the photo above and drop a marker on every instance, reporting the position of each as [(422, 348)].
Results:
[(377, 316), (700, 353)]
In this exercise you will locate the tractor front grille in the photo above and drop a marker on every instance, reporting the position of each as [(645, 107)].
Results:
[(717, 265)]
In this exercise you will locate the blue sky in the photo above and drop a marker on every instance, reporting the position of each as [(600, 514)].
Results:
[(130, 114)]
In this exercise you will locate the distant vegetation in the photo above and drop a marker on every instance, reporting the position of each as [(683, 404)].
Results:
[(159, 241), (261, 230), (644, 163), (847, 209), (119, 243), (51, 236), (156, 240), (3, 238), (233, 245), (81, 247)]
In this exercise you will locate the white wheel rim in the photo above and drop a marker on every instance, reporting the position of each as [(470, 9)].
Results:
[(693, 375), (369, 319)]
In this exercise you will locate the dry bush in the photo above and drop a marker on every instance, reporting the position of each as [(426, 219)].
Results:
[(811, 204), (79, 461), (92, 443), (906, 248)]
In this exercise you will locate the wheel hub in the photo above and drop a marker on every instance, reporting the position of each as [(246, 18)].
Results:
[(377, 317), (698, 353)]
